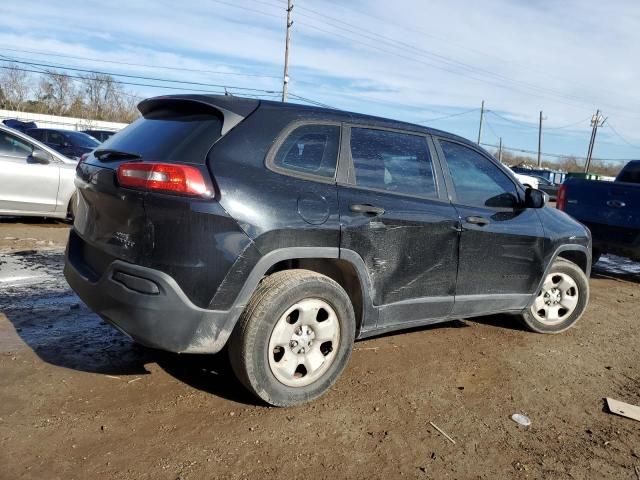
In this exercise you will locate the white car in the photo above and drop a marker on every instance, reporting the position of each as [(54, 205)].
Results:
[(526, 180), (35, 180)]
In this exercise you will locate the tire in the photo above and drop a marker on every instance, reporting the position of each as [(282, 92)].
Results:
[(289, 312), (565, 291), (71, 209)]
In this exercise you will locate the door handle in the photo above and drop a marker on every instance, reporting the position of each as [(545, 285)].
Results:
[(480, 221), (616, 204), (366, 208)]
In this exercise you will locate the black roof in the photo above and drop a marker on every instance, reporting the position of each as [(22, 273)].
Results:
[(244, 106)]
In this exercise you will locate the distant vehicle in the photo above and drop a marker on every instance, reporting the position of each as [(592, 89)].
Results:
[(19, 124), (611, 210), (100, 135), (67, 142), (526, 180), (35, 180), (215, 219), (547, 187)]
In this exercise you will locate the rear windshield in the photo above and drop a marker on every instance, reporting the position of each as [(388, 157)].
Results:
[(82, 139), (630, 173), (171, 135)]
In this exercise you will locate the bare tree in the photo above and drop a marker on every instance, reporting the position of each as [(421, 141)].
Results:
[(56, 92), (15, 85)]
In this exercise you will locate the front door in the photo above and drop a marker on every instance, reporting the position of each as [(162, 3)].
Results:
[(395, 215), (501, 244), (25, 186)]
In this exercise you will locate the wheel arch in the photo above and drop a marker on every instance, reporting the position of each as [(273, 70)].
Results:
[(343, 266), (578, 254)]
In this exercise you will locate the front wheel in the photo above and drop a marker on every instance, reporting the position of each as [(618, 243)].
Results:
[(561, 300), (294, 338)]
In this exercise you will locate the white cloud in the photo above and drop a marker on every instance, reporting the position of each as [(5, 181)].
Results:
[(566, 58)]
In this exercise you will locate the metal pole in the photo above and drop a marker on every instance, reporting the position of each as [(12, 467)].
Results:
[(481, 118), (540, 140), (594, 125), (285, 79), (500, 151)]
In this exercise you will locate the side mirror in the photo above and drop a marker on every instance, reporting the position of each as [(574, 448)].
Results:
[(534, 198), (39, 156)]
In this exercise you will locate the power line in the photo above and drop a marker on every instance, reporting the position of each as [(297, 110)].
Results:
[(570, 124), (433, 55), (120, 82), (312, 102), (138, 77), (446, 116), (621, 137), (556, 155), (131, 64), (423, 53), (486, 121)]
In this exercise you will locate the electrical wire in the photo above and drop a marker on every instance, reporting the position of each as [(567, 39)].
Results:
[(556, 155), (620, 136), (120, 82), (137, 77), (447, 116), (142, 65)]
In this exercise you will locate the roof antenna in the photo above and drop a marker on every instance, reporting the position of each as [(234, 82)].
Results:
[(227, 93)]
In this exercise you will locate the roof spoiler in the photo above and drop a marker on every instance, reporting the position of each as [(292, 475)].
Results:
[(233, 109)]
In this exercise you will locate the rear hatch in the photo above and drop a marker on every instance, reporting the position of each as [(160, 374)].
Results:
[(113, 222)]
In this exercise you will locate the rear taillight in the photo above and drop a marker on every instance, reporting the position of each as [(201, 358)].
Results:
[(83, 157), (561, 200), (164, 177)]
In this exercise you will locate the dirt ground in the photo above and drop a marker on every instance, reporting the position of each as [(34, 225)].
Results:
[(80, 400)]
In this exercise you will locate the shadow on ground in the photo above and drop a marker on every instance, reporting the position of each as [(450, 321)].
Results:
[(51, 320)]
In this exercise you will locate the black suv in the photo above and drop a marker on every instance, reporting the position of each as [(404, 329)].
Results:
[(288, 231), (69, 143)]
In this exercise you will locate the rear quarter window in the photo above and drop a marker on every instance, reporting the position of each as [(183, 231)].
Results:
[(309, 149)]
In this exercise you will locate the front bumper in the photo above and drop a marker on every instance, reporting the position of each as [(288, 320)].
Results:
[(149, 306)]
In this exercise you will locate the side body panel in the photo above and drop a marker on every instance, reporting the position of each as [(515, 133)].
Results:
[(410, 249)]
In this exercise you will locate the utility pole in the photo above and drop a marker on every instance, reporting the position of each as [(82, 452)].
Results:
[(540, 140), (285, 79), (500, 151), (596, 121), (481, 118)]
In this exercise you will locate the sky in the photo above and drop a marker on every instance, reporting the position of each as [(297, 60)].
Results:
[(429, 61)]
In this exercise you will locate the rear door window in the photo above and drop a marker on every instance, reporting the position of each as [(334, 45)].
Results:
[(310, 149), (392, 161), (181, 134), (55, 138)]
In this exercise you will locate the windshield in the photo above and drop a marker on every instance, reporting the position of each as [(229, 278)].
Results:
[(83, 140)]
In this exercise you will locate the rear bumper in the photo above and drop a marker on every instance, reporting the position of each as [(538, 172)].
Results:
[(149, 306)]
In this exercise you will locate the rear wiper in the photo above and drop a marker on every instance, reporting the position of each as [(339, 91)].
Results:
[(109, 154)]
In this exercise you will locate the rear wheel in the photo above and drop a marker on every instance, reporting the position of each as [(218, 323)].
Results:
[(561, 300), (294, 338), (71, 209)]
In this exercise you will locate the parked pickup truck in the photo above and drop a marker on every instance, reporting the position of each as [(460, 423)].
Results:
[(611, 210)]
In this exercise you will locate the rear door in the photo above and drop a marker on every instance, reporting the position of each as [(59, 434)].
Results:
[(394, 213), (25, 186), (501, 244)]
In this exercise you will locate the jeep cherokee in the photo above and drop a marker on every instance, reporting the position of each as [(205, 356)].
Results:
[(288, 231)]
